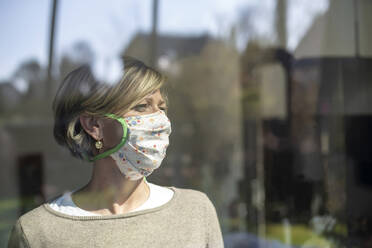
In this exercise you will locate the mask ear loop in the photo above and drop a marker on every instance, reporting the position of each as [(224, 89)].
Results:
[(122, 142)]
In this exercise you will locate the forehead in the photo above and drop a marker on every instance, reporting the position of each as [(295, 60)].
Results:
[(155, 95)]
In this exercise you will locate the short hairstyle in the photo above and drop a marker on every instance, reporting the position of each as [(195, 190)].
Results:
[(81, 93)]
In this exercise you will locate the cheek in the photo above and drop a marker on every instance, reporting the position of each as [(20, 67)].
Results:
[(112, 134), (131, 113)]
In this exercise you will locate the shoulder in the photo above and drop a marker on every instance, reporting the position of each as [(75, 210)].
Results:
[(193, 197), (26, 225), (199, 207), (38, 218), (190, 193), (35, 216)]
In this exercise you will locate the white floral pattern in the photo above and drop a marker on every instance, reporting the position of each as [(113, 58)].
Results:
[(146, 145)]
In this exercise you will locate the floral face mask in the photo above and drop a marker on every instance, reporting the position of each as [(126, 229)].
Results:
[(143, 145)]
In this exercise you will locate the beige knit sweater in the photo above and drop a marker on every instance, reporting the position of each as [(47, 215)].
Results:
[(189, 219)]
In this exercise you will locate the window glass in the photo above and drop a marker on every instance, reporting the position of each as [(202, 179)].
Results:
[(269, 103)]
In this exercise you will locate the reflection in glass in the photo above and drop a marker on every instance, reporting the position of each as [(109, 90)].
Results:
[(271, 109)]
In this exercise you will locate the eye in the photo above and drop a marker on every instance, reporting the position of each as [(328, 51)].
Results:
[(140, 107), (163, 107)]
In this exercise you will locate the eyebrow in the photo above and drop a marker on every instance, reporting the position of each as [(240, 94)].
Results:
[(150, 100)]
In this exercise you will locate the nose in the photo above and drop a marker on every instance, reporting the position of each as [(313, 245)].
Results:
[(155, 108)]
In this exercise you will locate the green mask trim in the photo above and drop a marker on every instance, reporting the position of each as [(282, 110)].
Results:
[(122, 142)]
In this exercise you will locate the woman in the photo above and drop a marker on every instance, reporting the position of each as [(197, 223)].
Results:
[(123, 129)]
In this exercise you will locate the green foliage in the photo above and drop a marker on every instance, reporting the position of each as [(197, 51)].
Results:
[(301, 235)]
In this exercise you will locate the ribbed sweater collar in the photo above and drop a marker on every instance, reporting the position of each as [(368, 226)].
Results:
[(116, 216)]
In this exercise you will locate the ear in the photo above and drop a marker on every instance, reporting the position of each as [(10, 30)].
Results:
[(92, 126)]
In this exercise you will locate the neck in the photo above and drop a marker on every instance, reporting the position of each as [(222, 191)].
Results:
[(109, 192)]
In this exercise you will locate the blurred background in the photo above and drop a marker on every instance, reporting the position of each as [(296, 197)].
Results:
[(270, 102)]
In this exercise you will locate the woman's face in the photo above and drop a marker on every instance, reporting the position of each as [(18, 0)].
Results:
[(112, 130), (150, 104)]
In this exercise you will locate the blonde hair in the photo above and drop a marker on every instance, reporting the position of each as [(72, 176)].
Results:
[(81, 93)]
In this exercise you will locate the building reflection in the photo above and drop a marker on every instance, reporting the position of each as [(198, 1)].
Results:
[(311, 137), (279, 140)]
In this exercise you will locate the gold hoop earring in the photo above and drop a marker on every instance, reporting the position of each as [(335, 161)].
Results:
[(99, 144)]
